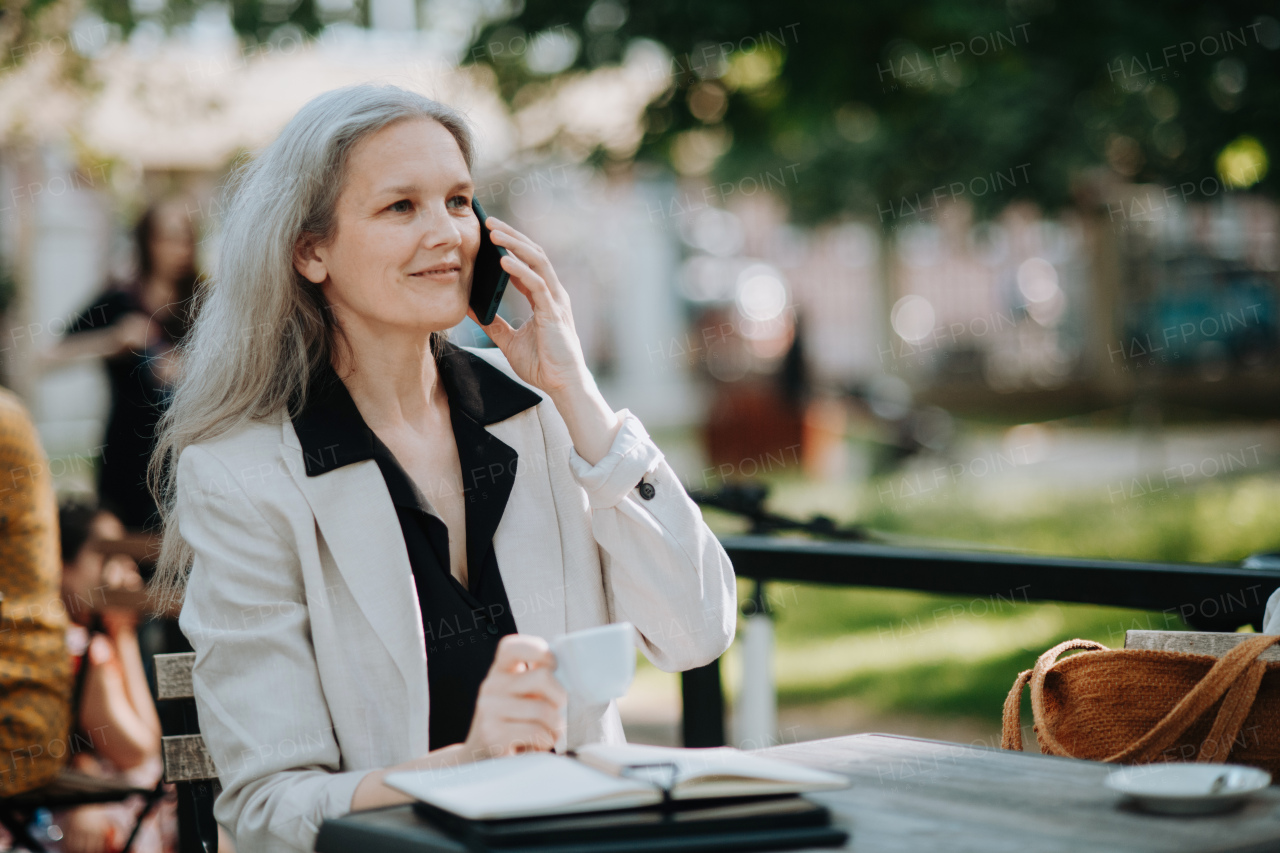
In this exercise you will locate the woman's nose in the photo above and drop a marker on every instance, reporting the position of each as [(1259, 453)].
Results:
[(439, 228)]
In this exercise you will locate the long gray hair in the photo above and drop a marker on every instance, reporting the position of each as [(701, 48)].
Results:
[(261, 329)]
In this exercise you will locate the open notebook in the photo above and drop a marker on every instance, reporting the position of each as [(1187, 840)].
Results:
[(604, 776)]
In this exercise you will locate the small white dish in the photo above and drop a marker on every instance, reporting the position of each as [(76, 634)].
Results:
[(1178, 788)]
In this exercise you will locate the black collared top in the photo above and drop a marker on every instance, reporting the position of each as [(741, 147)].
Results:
[(462, 624)]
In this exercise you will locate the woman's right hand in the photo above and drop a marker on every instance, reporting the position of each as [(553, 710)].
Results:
[(520, 708), (521, 704)]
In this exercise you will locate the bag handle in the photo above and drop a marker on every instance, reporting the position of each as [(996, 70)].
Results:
[(1043, 664), (1011, 724), (1231, 716), (1222, 676)]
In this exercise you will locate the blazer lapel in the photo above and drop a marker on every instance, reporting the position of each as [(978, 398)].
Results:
[(527, 541), (355, 514), (358, 521)]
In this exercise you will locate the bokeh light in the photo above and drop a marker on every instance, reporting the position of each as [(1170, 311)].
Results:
[(1242, 163), (912, 318)]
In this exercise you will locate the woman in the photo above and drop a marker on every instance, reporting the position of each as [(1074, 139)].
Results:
[(134, 328), (117, 729), (383, 529)]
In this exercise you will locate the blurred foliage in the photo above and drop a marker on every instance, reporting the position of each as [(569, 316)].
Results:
[(869, 106), (879, 100), (256, 21), (32, 27)]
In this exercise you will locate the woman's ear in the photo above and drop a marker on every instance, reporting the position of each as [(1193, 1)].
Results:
[(307, 261)]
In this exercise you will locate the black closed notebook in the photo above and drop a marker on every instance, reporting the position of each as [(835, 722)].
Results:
[(765, 823), (398, 829)]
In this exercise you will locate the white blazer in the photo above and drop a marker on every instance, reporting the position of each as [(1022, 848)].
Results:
[(311, 664)]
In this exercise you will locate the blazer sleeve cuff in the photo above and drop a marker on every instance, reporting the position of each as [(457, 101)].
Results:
[(336, 800), (1271, 616), (632, 455)]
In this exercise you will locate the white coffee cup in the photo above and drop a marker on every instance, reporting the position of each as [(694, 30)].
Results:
[(596, 664)]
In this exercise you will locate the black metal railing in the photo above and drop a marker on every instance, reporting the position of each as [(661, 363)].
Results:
[(1206, 597)]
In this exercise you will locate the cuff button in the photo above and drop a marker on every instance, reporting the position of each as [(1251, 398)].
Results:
[(647, 491)]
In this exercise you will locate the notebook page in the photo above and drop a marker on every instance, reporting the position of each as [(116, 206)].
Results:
[(521, 786), (716, 771)]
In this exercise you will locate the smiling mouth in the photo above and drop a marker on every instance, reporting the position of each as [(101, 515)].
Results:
[(440, 273)]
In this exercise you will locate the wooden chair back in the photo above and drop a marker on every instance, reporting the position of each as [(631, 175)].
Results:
[(187, 762)]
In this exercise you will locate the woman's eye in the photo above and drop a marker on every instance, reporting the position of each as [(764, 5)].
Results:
[(398, 208), (465, 202)]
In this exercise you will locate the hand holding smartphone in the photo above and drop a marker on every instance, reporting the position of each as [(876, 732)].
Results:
[(488, 278)]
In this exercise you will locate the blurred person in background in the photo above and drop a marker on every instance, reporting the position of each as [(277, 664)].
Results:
[(35, 669), (117, 730), (135, 326)]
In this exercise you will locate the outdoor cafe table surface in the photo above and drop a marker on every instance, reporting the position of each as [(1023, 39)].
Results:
[(910, 794)]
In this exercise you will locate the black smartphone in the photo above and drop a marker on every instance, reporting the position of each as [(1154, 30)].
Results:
[(488, 278)]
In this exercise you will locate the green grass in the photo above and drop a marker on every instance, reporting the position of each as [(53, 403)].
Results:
[(1220, 520), (941, 689)]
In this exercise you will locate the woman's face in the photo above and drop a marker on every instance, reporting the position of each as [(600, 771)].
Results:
[(406, 238), (172, 249), (85, 575)]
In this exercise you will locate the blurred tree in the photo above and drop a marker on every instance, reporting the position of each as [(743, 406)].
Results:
[(883, 107), (34, 27), (879, 107)]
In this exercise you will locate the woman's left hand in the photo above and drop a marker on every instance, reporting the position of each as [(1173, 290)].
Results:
[(544, 351)]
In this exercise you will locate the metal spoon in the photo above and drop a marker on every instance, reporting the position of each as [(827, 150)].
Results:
[(1224, 780)]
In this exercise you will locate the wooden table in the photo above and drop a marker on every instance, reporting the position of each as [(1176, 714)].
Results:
[(913, 795)]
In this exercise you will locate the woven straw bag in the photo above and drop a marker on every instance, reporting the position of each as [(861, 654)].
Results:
[(1136, 706)]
